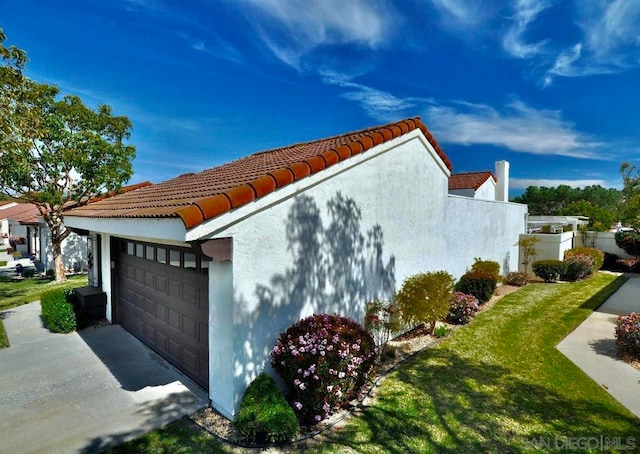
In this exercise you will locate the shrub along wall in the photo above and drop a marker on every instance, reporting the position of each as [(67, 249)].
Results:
[(57, 312)]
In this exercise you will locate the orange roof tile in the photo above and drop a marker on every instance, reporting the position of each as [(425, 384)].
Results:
[(196, 197), (469, 180)]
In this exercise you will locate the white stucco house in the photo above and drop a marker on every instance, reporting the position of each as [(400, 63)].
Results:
[(484, 185), (22, 220), (209, 268)]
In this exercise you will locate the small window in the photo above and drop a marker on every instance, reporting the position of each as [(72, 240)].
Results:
[(139, 250), (161, 255), (130, 248), (174, 258), (204, 264), (150, 253), (190, 261)]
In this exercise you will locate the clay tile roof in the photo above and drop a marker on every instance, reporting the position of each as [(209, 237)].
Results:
[(469, 180), (22, 212), (197, 197)]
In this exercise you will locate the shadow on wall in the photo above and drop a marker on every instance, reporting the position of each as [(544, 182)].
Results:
[(334, 269)]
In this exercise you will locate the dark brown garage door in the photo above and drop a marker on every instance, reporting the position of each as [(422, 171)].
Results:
[(163, 300)]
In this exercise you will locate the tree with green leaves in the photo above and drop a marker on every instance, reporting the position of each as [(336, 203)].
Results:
[(601, 205), (630, 209), (56, 152)]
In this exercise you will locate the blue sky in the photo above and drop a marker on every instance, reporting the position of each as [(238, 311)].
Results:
[(551, 86)]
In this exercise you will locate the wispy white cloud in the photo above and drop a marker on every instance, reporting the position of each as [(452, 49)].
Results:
[(611, 40), (525, 12), (523, 183), (462, 11), (518, 127), (293, 28), (378, 104)]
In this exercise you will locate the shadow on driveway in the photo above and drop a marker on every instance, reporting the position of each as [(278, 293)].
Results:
[(86, 391)]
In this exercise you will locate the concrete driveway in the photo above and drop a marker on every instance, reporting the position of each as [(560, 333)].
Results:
[(83, 392)]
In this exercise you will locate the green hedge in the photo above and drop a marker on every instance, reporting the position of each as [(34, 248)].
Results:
[(479, 284), (264, 413), (549, 270), (57, 313)]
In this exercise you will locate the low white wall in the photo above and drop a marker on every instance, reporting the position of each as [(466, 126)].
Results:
[(604, 241), (551, 246), (481, 229)]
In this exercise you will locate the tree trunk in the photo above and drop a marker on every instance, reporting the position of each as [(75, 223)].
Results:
[(57, 260)]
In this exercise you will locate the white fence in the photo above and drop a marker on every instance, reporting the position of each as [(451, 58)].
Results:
[(550, 246), (605, 241)]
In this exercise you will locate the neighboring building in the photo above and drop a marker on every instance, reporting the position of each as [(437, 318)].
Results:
[(482, 185), (23, 221), (208, 268)]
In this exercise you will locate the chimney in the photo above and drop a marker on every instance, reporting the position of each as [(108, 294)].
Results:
[(502, 174)]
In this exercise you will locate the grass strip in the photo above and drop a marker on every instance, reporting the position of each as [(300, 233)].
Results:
[(498, 385)]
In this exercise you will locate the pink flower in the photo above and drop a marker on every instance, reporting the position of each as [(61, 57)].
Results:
[(298, 405), (318, 418)]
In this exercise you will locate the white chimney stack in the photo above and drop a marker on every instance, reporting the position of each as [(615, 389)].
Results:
[(502, 174)]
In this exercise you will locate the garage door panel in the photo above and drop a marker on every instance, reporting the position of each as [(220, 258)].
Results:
[(149, 279), (167, 308), (161, 284)]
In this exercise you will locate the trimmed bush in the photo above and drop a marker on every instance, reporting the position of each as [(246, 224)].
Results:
[(264, 415), (629, 242), (486, 266), (463, 308), (325, 361), (596, 255), (549, 270), (628, 336), (579, 266), (516, 278), (57, 312), (28, 274), (479, 284), (425, 298)]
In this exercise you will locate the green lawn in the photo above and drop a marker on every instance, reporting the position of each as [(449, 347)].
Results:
[(14, 294), (496, 385)]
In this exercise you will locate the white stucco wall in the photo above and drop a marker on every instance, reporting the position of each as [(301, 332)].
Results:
[(487, 191), (298, 258), (605, 241), (481, 228), (74, 250), (551, 246), (463, 192)]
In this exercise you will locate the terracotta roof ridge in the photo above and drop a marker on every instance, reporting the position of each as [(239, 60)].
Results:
[(212, 206), (472, 173)]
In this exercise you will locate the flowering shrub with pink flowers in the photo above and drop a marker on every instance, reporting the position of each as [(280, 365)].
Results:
[(325, 360), (463, 308), (628, 336)]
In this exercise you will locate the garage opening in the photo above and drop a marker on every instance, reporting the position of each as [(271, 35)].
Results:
[(161, 297)]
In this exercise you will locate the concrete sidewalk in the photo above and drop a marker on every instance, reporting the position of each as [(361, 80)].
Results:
[(84, 391), (592, 347)]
